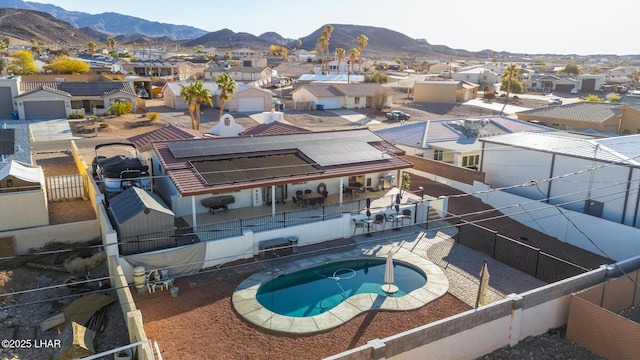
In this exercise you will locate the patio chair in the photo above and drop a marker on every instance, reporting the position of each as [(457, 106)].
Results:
[(379, 219), (358, 224), (308, 191), (407, 214), (297, 202)]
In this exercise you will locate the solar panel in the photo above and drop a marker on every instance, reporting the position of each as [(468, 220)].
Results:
[(7, 141), (325, 149)]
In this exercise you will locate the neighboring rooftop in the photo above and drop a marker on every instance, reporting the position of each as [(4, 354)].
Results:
[(615, 150), (594, 112), (423, 134)]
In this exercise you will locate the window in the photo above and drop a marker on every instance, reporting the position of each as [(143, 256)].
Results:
[(470, 161), (356, 100), (438, 154)]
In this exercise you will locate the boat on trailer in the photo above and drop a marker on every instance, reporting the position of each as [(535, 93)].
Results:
[(117, 173)]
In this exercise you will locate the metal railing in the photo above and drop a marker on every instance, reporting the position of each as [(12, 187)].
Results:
[(526, 258)]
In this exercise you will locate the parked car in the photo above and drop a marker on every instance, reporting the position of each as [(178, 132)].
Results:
[(397, 115), (555, 101), (574, 91)]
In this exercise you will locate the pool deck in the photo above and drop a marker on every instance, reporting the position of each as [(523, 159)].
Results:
[(433, 247), (245, 302)]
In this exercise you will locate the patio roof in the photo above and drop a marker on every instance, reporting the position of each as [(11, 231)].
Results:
[(326, 155)]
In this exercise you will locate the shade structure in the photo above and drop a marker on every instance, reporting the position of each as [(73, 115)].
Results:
[(389, 287), (484, 285)]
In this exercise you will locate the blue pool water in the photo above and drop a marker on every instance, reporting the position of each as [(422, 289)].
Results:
[(315, 290)]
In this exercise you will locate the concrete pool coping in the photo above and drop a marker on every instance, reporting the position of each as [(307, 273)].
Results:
[(246, 305)]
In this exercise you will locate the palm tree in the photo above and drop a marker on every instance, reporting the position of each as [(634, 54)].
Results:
[(322, 44), (510, 72), (92, 47), (328, 30), (353, 55), (187, 93), (227, 86), (362, 40), (340, 55), (111, 43)]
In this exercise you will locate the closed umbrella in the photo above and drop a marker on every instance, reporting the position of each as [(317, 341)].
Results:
[(484, 285), (368, 207), (398, 202), (389, 287)]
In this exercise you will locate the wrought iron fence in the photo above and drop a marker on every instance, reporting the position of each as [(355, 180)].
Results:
[(514, 253), (66, 187)]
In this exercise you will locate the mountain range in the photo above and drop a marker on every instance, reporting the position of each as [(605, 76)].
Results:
[(84, 27)]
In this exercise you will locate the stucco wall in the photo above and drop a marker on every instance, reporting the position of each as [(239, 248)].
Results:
[(29, 209)]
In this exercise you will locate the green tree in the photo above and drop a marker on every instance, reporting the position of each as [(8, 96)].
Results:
[(277, 50), (66, 65), (572, 68), (595, 70), (35, 47), (510, 77), (228, 55), (362, 41), (227, 86), (22, 63), (120, 108), (196, 94), (339, 56)]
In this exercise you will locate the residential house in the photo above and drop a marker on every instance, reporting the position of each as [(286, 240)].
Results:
[(477, 75), (339, 96), (446, 91), (544, 83), (152, 68), (328, 79), (599, 116), (187, 70), (246, 98), (58, 99), (565, 85), (255, 164), (171, 93), (453, 141), (593, 176), (445, 68), (261, 75)]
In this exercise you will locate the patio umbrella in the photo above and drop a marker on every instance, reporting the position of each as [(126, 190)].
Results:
[(368, 207), (484, 285), (398, 202), (388, 286)]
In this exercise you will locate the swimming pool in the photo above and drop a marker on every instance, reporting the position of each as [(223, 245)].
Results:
[(360, 299), (321, 288)]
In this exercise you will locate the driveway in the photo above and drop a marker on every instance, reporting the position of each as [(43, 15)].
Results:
[(355, 117), (47, 130)]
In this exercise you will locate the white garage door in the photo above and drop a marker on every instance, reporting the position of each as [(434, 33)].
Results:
[(331, 103), (44, 110), (251, 104)]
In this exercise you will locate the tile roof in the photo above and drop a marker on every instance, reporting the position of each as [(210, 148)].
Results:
[(46, 89), (594, 112), (167, 133), (89, 88), (274, 128), (309, 145)]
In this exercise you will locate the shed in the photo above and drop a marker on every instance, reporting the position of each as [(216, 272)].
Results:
[(138, 212)]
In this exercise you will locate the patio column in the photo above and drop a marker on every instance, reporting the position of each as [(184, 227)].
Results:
[(273, 200), (193, 212), (341, 187)]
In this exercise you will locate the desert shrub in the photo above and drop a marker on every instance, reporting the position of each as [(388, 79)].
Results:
[(489, 95), (78, 264), (76, 116), (377, 77), (92, 118), (152, 116), (104, 125)]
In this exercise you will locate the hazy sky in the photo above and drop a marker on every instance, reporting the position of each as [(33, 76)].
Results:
[(537, 26)]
